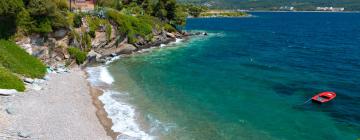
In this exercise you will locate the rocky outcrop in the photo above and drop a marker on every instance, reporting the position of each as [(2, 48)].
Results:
[(60, 33)]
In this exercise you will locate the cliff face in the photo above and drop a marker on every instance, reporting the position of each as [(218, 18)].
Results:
[(52, 48)]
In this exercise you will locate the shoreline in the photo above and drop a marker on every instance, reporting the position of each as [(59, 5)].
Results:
[(99, 87), (101, 114)]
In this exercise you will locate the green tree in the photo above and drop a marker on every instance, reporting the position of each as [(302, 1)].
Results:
[(24, 21), (148, 7), (41, 7), (159, 10), (170, 6), (10, 7), (180, 16)]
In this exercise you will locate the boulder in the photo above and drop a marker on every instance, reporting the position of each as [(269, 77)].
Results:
[(29, 80), (35, 87), (170, 35), (126, 49), (61, 33), (10, 111), (100, 40), (24, 134), (7, 92), (93, 56)]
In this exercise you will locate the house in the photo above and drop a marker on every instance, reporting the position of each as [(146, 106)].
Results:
[(82, 5)]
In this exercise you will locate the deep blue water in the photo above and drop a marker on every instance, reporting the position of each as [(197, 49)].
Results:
[(249, 77)]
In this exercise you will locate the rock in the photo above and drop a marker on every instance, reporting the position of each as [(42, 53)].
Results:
[(170, 35), (66, 56), (113, 55), (57, 58), (127, 48), (7, 92), (27, 48), (35, 87), (93, 56), (10, 111), (29, 80), (46, 78), (24, 134), (39, 81), (61, 33), (100, 40)]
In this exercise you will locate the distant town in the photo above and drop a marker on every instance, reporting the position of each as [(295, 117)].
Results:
[(292, 8)]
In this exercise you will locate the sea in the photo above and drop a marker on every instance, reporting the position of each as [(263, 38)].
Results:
[(250, 78)]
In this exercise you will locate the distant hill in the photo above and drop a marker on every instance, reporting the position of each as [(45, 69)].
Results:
[(299, 5)]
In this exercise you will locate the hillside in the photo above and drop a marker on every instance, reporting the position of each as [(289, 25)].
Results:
[(299, 5)]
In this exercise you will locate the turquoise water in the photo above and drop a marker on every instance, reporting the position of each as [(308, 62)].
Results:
[(248, 79)]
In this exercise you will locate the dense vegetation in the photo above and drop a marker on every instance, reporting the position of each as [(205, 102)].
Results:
[(349, 5), (16, 60), (31, 16)]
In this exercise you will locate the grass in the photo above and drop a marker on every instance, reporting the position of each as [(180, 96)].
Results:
[(10, 81), (16, 60)]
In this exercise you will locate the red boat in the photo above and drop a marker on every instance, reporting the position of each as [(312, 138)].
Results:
[(324, 97)]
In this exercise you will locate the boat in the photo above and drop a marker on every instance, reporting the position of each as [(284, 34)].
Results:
[(324, 97)]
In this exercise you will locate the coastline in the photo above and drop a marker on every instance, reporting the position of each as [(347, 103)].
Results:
[(101, 114), (100, 90)]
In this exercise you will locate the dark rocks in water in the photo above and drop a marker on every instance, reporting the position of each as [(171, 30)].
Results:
[(205, 33)]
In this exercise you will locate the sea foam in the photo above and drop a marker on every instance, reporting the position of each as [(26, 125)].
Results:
[(98, 75), (123, 118), (105, 76)]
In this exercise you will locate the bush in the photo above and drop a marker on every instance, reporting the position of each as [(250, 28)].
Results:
[(92, 34), (77, 21), (18, 61), (169, 28), (10, 81), (43, 26), (108, 31), (77, 54)]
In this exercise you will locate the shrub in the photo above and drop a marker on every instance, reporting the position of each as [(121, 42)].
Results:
[(169, 28), (77, 54), (92, 34), (77, 21), (10, 81), (24, 20), (58, 20), (70, 19), (108, 31), (18, 61), (86, 42), (43, 26)]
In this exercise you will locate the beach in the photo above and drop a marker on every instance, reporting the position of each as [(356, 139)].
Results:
[(64, 109)]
